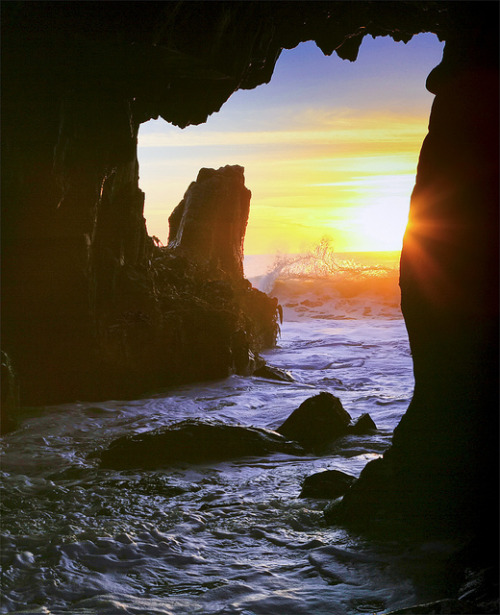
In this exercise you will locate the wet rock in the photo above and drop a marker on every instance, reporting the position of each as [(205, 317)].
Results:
[(273, 373), (194, 442), (443, 459), (328, 484), (316, 422), (209, 223), (364, 425)]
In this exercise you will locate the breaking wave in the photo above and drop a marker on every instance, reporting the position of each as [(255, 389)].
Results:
[(324, 284)]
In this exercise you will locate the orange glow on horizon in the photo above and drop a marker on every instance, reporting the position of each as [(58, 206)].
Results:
[(348, 184)]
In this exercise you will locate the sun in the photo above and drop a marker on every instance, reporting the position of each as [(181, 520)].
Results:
[(382, 222), (380, 214)]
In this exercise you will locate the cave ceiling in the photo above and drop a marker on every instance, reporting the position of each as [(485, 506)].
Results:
[(183, 60)]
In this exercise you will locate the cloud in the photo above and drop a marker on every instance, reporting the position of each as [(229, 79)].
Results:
[(312, 127), (368, 181)]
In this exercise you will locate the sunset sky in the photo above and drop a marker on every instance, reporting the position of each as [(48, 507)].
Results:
[(329, 147)]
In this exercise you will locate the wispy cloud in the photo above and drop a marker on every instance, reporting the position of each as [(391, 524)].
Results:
[(327, 129), (368, 181)]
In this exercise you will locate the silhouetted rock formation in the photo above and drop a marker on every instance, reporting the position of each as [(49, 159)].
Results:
[(215, 321), (329, 484), (316, 422), (194, 442), (363, 425), (440, 470), (209, 223)]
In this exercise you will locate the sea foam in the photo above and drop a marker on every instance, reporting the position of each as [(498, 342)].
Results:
[(324, 284)]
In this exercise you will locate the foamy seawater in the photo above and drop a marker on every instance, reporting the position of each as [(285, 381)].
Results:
[(220, 538)]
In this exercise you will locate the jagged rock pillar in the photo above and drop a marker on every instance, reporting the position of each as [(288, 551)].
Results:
[(209, 224), (441, 471)]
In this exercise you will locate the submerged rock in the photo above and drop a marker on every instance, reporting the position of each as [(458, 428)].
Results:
[(328, 484), (316, 422), (194, 442)]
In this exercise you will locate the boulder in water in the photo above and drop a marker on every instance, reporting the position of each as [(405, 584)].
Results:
[(364, 425), (328, 484), (273, 373), (194, 442), (316, 422)]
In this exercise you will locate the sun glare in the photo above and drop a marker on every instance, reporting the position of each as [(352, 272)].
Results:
[(382, 212), (382, 223)]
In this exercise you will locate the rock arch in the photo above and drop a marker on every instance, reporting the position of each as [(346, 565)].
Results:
[(79, 78)]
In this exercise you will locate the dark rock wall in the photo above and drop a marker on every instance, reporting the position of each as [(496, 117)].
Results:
[(79, 78), (449, 273), (442, 468)]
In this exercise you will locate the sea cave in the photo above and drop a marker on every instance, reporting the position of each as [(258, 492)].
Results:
[(93, 309)]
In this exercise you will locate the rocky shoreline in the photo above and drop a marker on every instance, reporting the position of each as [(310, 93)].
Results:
[(183, 313), (92, 309)]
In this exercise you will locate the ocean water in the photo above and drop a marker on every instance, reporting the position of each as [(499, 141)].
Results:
[(229, 538)]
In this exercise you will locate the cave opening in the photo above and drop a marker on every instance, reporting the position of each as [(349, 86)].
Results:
[(329, 148), (132, 339), (330, 151)]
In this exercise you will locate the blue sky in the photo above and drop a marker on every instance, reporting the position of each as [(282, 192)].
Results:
[(329, 147)]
